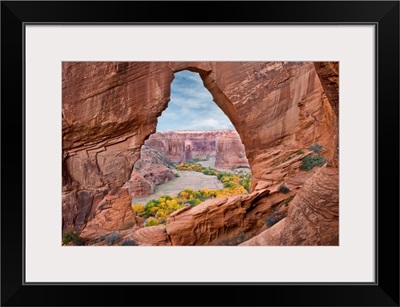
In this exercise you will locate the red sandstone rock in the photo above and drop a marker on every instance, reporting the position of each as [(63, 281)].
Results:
[(138, 186), (154, 235), (328, 72), (230, 151), (313, 217), (110, 108), (222, 220), (114, 213)]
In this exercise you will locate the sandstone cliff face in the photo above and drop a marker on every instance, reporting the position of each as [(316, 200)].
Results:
[(180, 146), (313, 216), (111, 108), (112, 214), (230, 151), (149, 171)]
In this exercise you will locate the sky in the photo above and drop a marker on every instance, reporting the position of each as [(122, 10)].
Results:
[(191, 106)]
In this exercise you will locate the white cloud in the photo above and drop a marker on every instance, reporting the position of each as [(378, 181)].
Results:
[(191, 107)]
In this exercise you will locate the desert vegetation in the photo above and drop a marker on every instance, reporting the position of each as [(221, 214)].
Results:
[(157, 211), (72, 238), (312, 160)]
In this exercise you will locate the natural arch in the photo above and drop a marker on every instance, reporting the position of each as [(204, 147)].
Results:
[(110, 109), (192, 128)]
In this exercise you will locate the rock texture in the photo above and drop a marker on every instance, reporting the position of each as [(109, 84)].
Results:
[(221, 221), (313, 217), (328, 73), (149, 171), (151, 236), (230, 151), (113, 213), (110, 108)]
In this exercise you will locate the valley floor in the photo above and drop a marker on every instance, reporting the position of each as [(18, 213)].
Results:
[(186, 180)]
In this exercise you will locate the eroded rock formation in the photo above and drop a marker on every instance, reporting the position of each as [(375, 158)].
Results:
[(222, 221), (163, 151), (180, 146), (278, 108), (152, 169), (313, 216)]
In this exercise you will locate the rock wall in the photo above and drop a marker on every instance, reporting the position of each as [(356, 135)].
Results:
[(163, 151), (110, 108), (230, 151), (180, 146), (152, 169), (313, 216)]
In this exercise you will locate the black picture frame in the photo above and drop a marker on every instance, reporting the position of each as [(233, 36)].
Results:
[(383, 14)]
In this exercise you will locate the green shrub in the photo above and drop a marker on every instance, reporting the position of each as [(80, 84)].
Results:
[(299, 152), (139, 209), (229, 184), (151, 222), (209, 171), (242, 237), (308, 162), (128, 242), (72, 237), (284, 189), (287, 201), (226, 242), (274, 218), (194, 202), (112, 238), (160, 209), (246, 182), (316, 148)]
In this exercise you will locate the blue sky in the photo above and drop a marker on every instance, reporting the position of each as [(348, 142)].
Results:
[(191, 106)]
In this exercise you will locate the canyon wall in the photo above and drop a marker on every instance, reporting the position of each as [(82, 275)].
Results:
[(152, 169), (163, 151), (109, 109), (180, 146)]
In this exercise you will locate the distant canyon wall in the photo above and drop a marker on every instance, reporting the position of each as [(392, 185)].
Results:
[(180, 146), (163, 151)]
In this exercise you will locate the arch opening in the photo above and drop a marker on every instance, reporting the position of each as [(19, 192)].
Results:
[(195, 154)]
